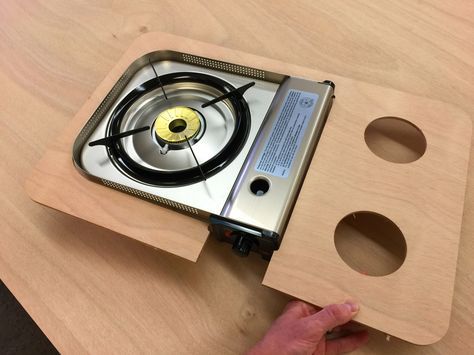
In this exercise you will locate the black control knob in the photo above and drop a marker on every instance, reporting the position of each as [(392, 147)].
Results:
[(330, 83), (242, 245)]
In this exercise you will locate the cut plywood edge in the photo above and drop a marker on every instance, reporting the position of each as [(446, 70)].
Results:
[(156, 226)]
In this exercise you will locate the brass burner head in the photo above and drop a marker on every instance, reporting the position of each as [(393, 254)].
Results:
[(173, 125)]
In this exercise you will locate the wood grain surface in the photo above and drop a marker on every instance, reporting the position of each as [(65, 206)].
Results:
[(344, 177), (424, 199), (90, 291)]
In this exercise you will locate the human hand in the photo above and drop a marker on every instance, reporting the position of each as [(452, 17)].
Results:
[(301, 329)]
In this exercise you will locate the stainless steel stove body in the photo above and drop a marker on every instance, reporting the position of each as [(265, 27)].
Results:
[(238, 163)]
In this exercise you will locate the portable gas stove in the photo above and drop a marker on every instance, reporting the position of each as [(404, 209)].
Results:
[(219, 141)]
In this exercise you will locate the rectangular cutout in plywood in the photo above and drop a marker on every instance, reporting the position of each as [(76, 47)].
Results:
[(422, 200)]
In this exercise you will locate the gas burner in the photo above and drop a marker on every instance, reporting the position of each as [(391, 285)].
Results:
[(216, 140), (187, 143), (178, 125)]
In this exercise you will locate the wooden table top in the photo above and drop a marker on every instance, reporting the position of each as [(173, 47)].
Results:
[(90, 290)]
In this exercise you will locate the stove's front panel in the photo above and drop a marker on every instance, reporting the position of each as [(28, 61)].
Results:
[(272, 175)]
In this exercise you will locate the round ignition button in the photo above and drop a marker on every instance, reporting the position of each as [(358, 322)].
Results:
[(177, 123), (260, 186)]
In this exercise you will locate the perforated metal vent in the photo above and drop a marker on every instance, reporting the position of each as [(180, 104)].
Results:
[(150, 197), (227, 67), (104, 106)]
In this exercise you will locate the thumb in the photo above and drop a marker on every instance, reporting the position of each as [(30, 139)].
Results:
[(333, 315)]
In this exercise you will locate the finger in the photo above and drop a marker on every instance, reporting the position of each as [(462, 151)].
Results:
[(298, 309), (346, 344), (333, 315), (348, 327)]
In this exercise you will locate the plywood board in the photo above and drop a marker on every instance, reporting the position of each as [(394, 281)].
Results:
[(424, 199)]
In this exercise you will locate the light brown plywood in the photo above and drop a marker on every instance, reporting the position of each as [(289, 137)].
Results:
[(91, 291), (423, 198)]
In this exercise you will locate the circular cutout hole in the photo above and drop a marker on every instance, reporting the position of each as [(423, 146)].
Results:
[(177, 126), (395, 139), (260, 186), (370, 243)]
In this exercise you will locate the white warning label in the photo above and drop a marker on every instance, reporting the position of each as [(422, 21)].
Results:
[(287, 132)]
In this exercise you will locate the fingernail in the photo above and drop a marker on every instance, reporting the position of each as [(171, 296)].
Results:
[(354, 307)]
